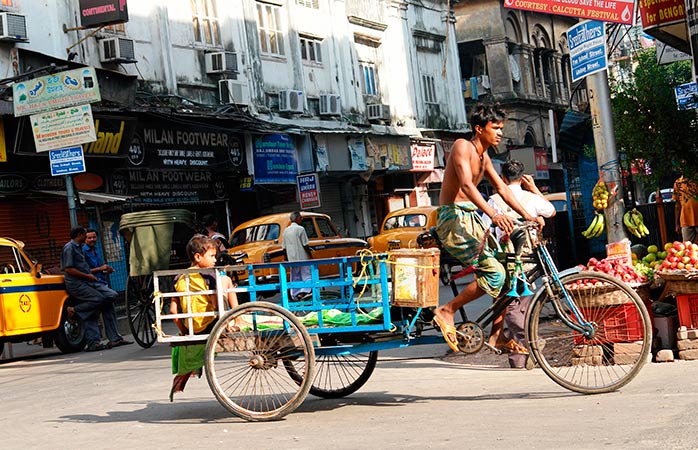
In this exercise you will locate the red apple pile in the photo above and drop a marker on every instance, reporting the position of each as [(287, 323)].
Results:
[(617, 268), (680, 256)]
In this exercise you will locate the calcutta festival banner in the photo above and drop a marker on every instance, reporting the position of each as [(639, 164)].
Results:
[(275, 160)]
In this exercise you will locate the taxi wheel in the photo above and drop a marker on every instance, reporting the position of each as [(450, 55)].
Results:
[(70, 335)]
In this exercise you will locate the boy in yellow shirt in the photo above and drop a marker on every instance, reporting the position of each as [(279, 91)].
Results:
[(187, 360)]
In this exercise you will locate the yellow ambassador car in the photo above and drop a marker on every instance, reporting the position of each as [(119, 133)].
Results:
[(33, 304), (401, 228), (261, 240)]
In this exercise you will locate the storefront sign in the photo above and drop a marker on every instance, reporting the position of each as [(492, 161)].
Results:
[(540, 156), (423, 157), (687, 96), (275, 160), (587, 44), (620, 11), (246, 184), (165, 186), (172, 145), (94, 13), (63, 128), (60, 90), (667, 54), (11, 183), (655, 13), (308, 191), (114, 135), (67, 161)]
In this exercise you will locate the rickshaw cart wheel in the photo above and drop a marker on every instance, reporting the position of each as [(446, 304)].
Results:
[(245, 369), (141, 309)]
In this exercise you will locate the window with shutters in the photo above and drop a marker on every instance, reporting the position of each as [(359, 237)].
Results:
[(205, 22), (311, 49), (271, 36)]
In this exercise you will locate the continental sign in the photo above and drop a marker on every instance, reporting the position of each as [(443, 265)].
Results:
[(619, 11), (656, 13)]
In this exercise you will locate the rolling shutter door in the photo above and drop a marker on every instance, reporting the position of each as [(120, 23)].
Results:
[(331, 204)]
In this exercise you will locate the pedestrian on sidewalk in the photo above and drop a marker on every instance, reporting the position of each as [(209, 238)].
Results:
[(296, 245)]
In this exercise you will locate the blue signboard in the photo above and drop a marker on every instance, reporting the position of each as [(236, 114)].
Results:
[(66, 161), (587, 44), (687, 96), (275, 160)]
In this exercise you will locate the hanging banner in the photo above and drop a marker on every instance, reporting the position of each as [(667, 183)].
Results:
[(275, 160), (60, 90), (357, 151), (63, 128), (587, 44), (308, 191), (655, 13), (423, 157), (321, 154), (619, 11)]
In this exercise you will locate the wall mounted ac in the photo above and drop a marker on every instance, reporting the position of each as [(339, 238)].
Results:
[(291, 101), (233, 92), (378, 111), (13, 27), (330, 105), (117, 50), (221, 62)]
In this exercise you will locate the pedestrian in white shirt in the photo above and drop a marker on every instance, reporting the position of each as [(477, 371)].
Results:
[(533, 201), (295, 244)]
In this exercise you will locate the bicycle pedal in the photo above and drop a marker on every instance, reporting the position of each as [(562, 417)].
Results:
[(494, 349)]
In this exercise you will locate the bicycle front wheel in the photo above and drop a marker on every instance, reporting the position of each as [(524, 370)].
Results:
[(611, 355)]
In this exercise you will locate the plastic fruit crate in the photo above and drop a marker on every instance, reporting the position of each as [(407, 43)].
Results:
[(618, 323), (687, 305)]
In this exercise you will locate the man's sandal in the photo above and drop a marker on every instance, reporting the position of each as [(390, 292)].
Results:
[(449, 333), (511, 346)]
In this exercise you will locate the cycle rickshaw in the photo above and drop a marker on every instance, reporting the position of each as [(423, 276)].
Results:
[(589, 332), (156, 240)]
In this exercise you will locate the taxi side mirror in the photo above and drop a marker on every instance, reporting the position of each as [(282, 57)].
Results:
[(37, 270)]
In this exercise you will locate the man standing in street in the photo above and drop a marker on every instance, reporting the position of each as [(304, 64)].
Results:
[(458, 224), (91, 294), (295, 244), (686, 211)]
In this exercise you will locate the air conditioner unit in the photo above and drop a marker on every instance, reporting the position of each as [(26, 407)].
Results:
[(233, 92), (291, 101), (330, 105), (117, 50), (378, 111), (221, 62), (13, 27)]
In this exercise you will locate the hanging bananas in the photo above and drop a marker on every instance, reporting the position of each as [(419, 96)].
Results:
[(596, 228), (635, 224), (600, 195)]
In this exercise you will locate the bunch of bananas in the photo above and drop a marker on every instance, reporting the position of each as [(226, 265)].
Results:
[(600, 195), (596, 228), (634, 222)]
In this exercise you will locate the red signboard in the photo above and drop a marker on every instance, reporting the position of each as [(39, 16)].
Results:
[(620, 11), (423, 157), (656, 13)]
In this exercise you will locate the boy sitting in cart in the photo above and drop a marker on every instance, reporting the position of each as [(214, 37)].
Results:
[(187, 360)]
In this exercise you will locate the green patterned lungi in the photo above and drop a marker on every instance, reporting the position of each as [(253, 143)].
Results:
[(462, 233)]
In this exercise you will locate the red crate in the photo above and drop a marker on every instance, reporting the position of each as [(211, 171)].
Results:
[(619, 323), (687, 305)]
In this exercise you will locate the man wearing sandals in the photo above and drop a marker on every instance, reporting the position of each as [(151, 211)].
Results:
[(92, 295), (460, 228)]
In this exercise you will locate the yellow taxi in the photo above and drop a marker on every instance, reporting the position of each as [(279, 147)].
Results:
[(401, 228), (261, 240), (34, 304)]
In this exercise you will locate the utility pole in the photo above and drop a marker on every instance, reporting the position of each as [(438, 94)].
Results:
[(606, 153)]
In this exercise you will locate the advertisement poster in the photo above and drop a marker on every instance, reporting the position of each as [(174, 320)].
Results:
[(275, 160), (309, 191), (357, 151), (423, 157), (619, 11), (60, 90), (587, 44), (63, 128), (321, 155)]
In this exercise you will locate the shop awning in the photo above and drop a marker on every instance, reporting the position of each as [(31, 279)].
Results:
[(94, 197)]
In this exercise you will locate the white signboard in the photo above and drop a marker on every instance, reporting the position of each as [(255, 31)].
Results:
[(62, 89), (587, 44), (667, 54), (67, 160), (63, 128)]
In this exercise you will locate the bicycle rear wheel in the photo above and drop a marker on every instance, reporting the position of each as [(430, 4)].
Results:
[(615, 351)]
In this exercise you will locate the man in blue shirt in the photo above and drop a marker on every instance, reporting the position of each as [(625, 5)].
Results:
[(92, 295), (97, 267)]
